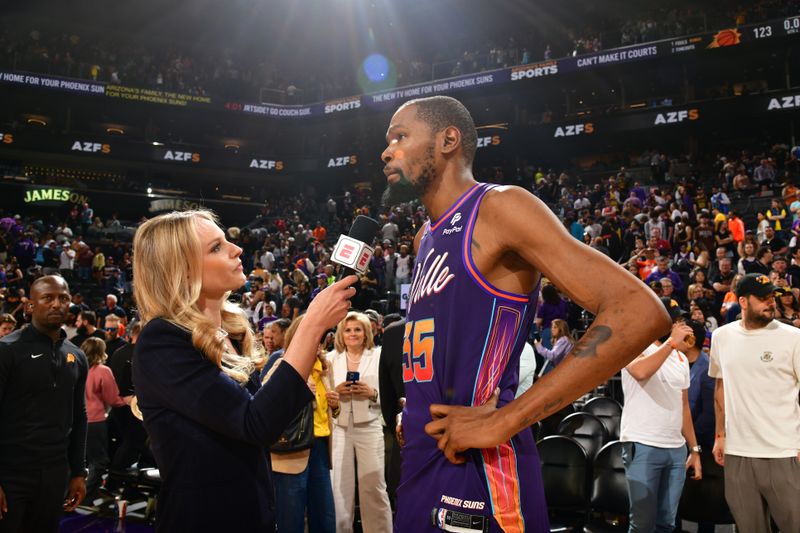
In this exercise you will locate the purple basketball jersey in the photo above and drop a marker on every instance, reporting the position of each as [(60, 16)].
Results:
[(463, 338)]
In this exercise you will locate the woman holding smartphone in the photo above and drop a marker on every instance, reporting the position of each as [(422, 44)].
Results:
[(357, 430)]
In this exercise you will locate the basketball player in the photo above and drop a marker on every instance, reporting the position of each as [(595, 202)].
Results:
[(473, 296)]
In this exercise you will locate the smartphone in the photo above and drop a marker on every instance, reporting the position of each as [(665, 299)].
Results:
[(352, 377)]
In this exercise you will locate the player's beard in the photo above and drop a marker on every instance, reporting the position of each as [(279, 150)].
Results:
[(405, 190)]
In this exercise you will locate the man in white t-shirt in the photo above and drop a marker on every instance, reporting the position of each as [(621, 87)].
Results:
[(656, 427), (756, 362)]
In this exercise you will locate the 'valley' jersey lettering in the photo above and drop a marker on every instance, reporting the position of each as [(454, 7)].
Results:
[(463, 338)]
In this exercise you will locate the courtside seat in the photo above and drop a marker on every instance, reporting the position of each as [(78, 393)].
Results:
[(587, 429), (609, 411), (609, 499), (550, 424), (565, 474)]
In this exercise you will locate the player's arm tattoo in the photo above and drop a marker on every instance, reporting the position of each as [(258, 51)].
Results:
[(475, 244), (587, 346), (548, 409)]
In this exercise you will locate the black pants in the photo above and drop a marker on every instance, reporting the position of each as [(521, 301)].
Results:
[(35, 498), (131, 440), (96, 457)]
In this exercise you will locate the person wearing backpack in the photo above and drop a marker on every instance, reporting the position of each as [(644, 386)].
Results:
[(301, 458)]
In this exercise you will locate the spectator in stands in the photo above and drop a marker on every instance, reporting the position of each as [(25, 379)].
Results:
[(764, 174), (729, 302), (704, 232), (112, 276), (755, 361), (112, 308), (775, 241), (405, 263), (322, 282), (390, 265), (656, 427), (7, 324), (87, 327), (86, 217), (101, 394), (274, 337), (302, 477), (390, 231), (698, 314), (736, 227), (561, 339), (267, 260), (741, 181), (646, 262), (724, 239), (85, 261), (701, 399), (748, 258), (720, 200), (98, 264), (780, 264), (357, 432), (668, 290), (794, 205), (551, 307), (663, 271), (776, 215), (378, 266), (66, 263), (793, 272), (721, 282), (269, 315), (50, 258), (787, 307), (130, 434), (763, 262), (291, 303), (112, 327)]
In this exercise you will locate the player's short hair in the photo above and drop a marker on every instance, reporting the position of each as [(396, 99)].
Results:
[(440, 112)]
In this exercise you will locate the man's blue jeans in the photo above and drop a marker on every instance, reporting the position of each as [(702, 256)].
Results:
[(309, 490), (655, 482)]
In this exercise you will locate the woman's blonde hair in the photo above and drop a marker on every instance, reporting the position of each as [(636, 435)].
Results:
[(95, 350), (361, 318), (563, 327), (167, 267)]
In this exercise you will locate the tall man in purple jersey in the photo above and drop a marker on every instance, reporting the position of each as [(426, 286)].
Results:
[(480, 258)]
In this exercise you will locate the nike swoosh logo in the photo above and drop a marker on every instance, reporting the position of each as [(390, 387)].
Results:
[(34, 356)]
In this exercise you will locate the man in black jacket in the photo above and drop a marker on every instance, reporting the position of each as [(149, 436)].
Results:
[(392, 391), (42, 416), (131, 437)]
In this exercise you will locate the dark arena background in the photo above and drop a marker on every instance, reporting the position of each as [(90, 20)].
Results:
[(621, 116)]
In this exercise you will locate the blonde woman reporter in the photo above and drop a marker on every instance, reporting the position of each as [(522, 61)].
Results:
[(207, 420), (357, 430)]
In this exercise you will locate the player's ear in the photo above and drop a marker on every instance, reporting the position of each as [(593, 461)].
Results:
[(451, 139)]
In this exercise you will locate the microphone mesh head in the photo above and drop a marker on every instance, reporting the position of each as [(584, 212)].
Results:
[(364, 229)]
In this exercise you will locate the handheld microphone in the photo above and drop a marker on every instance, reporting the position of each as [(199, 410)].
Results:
[(352, 251)]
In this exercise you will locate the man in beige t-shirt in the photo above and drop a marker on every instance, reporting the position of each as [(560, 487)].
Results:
[(756, 361)]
